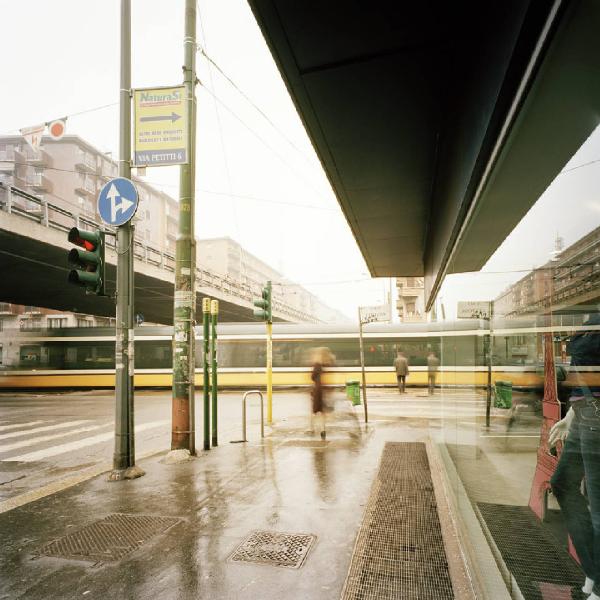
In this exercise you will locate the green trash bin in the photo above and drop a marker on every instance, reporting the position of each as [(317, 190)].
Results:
[(353, 391), (503, 394)]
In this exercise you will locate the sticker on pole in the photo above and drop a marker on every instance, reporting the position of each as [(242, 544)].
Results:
[(160, 124), (117, 202)]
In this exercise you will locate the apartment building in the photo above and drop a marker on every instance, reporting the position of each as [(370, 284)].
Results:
[(571, 277), (410, 299), (225, 256), (33, 318), (69, 173)]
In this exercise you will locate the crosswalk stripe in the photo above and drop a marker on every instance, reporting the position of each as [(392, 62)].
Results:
[(14, 426), (46, 438), (76, 445), (65, 424)]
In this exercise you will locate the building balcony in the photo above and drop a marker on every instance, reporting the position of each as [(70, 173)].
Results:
[(85, 187), (6, 166), (7, 309), (40, 183), (86, 163), (410, 290), (39, 159), (413, 318)]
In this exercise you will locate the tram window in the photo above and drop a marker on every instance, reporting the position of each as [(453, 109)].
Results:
[(241, 353), (513, 350), (30, 355), (90, 355), (56, 355), (154, 354)]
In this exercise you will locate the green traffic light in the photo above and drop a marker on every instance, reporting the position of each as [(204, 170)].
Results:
[(264, 304)]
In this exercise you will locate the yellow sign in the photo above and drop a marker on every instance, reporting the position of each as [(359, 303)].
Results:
[(160, 125)]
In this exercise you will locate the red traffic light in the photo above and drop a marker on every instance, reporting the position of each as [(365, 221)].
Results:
[(89, 240)]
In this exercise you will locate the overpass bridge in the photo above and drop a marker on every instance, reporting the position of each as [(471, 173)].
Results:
[(33, 268)]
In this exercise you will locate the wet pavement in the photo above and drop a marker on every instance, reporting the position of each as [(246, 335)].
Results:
[(291, 482)]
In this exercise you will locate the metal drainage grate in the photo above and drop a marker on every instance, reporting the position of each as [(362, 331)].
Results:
[(277, 549), (109, 539), (537, 560), (399, 550)]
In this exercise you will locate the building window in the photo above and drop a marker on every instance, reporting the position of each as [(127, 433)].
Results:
[(4, 307), (1, 325), (84, 323), (32, 309), (29, 324), (57, 322)]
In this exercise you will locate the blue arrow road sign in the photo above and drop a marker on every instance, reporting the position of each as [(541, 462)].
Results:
[(117, 202)]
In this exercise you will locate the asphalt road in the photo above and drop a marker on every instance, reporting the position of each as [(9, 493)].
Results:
[(46, 438)]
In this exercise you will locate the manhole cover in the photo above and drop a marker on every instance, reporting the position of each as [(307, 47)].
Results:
[(108, 539), (277, 549)]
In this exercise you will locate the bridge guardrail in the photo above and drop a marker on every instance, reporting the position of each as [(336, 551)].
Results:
[(13, 200)]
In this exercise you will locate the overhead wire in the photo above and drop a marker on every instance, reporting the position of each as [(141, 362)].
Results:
[(166, 185), (261, 139), (75, 114), (202, 51), (243, 270)]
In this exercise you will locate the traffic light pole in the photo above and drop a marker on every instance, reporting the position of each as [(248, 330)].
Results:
[(205, 371), (124, 455), (264, 311), (184, 317), (214, 387), (269, 372)]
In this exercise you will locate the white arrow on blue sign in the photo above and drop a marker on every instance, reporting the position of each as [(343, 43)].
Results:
[(118, 201)]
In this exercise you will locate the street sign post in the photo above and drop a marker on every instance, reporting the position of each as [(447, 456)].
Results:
[(372, 314), (369, 314), (160, 126), (117, 202)]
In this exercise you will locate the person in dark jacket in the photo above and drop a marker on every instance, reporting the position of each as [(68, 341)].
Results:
[(401, 366), (321, 358), (580, 457)]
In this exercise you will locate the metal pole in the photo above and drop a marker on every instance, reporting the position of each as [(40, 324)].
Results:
[(488, 404), (183, 424), (269, 372), (362, 366), (244, 438), (206, 381), (214, 313), (124, 455)]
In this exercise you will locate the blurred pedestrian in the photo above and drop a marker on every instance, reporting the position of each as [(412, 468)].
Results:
[(321, 358), (401, 366), (433, 364)]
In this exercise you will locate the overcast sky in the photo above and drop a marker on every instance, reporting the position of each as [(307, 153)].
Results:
[(258, 180)]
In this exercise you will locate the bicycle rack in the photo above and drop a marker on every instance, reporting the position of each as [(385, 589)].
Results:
[(262, 416)]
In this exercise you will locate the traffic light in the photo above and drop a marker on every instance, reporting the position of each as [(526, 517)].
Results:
[(88, 262), (264, 310)]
